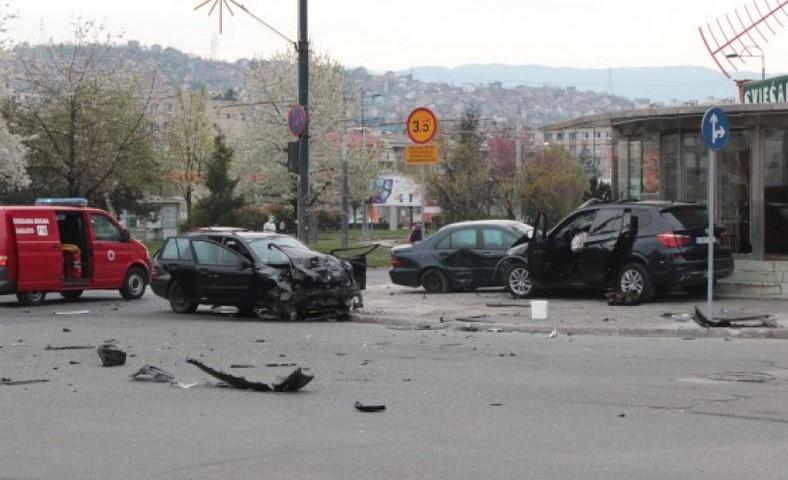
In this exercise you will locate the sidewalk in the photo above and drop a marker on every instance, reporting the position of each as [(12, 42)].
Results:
[(568, 313)]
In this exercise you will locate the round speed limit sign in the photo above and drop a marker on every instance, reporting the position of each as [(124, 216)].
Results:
[(422, 125)]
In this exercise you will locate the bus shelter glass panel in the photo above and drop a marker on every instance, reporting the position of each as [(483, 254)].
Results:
[(669, 150), (650, 184), (696, 168), (635, 169), (776, 191), (621, 151), (734, 190)]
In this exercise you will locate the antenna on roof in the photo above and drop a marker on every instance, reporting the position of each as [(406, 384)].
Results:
[(734, 37)]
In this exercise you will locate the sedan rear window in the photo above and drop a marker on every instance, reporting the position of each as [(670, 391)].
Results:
[(687, 218)]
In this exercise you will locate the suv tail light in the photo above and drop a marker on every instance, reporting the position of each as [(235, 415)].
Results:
[(3, 260), (396, 262), (671, 240)]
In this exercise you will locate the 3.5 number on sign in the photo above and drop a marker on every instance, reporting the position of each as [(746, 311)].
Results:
[(422, 125)]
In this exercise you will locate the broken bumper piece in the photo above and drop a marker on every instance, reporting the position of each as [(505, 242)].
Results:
[(291, 383)]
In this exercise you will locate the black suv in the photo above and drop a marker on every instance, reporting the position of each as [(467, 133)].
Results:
[(643, 248), (261, 274)]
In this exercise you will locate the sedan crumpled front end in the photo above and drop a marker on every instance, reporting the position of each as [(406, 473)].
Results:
[(314, 287)]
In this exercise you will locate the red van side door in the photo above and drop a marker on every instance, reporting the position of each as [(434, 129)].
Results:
[(111, 256), (40, 258)]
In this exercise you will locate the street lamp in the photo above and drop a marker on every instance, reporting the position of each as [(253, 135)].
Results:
[(747, 47)]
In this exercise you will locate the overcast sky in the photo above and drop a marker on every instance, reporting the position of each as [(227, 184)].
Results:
[(397, 34)]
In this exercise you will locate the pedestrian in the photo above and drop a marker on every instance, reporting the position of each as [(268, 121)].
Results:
[(270, 225), (415, 233), (282, 227)]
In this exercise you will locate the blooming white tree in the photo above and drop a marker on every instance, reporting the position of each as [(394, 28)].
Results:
[(13, 154), (271, 88)]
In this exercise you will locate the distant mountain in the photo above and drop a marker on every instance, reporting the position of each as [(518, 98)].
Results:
[(660, 84)]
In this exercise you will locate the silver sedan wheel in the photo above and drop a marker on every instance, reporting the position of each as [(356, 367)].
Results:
[(519, 280), (632, 282)]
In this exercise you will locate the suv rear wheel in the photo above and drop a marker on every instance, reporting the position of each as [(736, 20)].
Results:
[(519, 281), (633, 278)]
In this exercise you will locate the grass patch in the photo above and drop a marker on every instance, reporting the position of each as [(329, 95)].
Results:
[(331, 240)]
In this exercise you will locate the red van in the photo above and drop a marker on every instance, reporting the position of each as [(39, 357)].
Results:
[(61, 245)]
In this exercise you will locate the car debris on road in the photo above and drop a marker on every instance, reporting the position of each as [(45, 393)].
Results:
[(70, 347), (369, 408), (153, 374), (110, 356), (9, 382), (295, 381), (735, 321)]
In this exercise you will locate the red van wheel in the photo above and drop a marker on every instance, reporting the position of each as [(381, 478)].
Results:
[(134, 284), (30, 299)]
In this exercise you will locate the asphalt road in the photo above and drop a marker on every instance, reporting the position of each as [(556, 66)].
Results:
[(459, 405)]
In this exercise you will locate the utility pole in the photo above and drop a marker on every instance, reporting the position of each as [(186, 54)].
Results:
[(303, 100), (345, 191), (518, 178)]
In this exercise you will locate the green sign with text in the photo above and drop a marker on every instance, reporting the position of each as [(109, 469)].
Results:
[(773, 90)]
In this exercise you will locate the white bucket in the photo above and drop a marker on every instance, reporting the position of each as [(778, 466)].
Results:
[(538, 309)]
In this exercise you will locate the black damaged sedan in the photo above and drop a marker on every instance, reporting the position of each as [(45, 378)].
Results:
[(263, 274)]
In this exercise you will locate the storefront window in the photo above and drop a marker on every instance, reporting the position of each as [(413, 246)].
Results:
[(775, 156), (669, 149), (696, 165)]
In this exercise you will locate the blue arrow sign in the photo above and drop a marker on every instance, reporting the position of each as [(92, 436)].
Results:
[(715, 128)]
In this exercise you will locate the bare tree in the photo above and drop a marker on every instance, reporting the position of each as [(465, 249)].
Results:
[(87, 116), (189, 143)]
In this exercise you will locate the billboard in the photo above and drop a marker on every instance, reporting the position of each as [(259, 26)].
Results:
[(396, 191)]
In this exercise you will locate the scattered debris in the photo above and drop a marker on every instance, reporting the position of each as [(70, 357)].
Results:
[(340, 354), (622, 298), (293, 382), (369, 408), (522, 305), (260, 340), (406, 379), (419, 326), (606, 319), (279, 365), (553, 334), (496, 404), (621, 415), (184, 386), (678, 317), (365, 362), (73, 362), (495, 330), (745, 377), (111, 357), (72, 312), (241, 365), (70, 347), (66, 329), (735, 321), (9, 382), (150, 373), (468, 328), (451, 344)]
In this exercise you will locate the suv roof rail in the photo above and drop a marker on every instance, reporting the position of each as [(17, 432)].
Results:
[(219, 229)]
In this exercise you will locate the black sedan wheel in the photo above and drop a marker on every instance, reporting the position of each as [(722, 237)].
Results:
[(519, 282), (634, 279), (434, 281), (179, 301)]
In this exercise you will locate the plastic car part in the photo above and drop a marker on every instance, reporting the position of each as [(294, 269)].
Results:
[(369, 408), (295, 381), (153, 374), (111, 357)]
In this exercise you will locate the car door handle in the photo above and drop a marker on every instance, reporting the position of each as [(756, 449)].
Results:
[(172, 267), (488, 254)]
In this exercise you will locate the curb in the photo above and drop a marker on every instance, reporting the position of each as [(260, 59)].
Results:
[(678, 332)]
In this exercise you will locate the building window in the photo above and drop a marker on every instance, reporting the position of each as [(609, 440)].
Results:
[(572, 135)]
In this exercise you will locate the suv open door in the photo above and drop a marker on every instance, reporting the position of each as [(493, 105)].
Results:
[(537, 249)]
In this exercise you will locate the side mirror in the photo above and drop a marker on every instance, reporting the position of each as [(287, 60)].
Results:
[(246, 264), (125, 236)]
